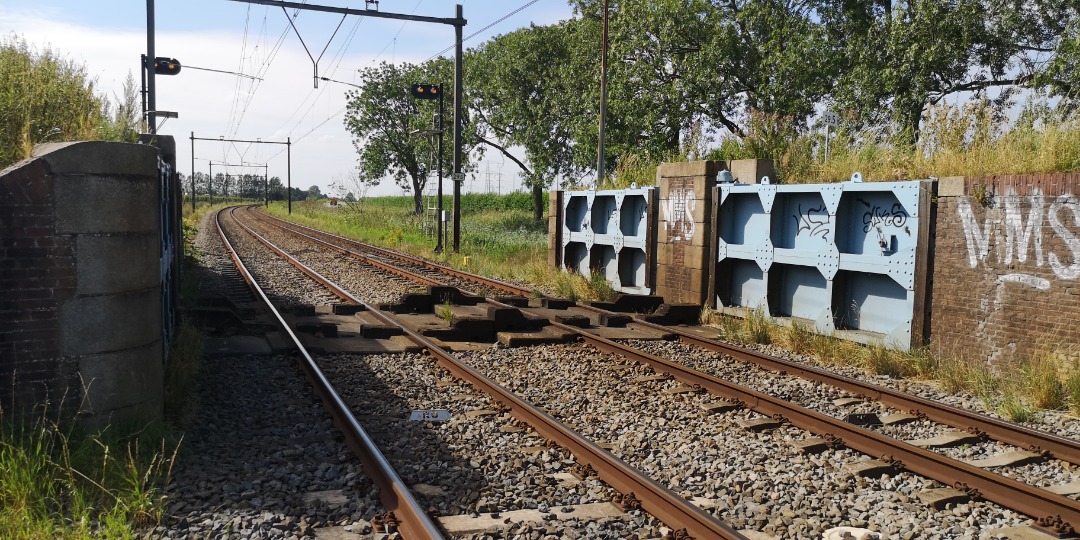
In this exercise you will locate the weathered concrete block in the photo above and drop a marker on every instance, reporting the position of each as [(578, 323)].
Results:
[(98, 158), (697, 187), (951, 186), (118, 263), (95, 204), (121, 380), (24, 184), (751, 171), (98, 324), (690, 168)]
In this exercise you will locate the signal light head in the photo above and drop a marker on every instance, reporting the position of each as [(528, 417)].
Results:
[(166, 66), (424, 91)]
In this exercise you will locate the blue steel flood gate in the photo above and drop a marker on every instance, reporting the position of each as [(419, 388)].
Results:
[(612, 232), (842, 257)]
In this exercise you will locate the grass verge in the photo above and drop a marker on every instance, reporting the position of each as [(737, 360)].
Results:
[(1017, 390)]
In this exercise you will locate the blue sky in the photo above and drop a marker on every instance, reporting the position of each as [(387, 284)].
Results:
[(109, 35)]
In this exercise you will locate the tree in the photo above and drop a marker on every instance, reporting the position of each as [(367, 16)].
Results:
[(522, 97), (679, 64), (905, 55), (381, 117), (314, 193)]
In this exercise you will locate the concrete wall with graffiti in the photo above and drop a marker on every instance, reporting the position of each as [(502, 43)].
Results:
[(1007, 265), (982, 268)]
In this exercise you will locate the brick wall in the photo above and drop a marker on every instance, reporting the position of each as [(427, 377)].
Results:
[(684, 230), (1006, 275), (80, 282), (36, 275)]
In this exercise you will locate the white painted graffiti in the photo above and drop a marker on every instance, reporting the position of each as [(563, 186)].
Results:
[(1018, 236), (679, 215)]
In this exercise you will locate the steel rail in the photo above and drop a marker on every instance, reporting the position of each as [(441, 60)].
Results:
[(393, 492), (419, 261), (656, 499), (1019, 496), (999, 430), (358, 256), (1009, 493)]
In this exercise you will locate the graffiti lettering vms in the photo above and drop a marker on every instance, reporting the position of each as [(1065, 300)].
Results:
[(1018, 236), (679, 215)]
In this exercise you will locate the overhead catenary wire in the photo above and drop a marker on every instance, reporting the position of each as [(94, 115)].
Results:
[(484, 29), (341, 110)]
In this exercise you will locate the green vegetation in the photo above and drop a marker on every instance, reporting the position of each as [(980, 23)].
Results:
[(59, 482), (503, 241), (1017, 389), (445, 311), (45, 97), (918, 89)]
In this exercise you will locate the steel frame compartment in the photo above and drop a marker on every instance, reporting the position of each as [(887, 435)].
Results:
[(840, 256), (609, 231)]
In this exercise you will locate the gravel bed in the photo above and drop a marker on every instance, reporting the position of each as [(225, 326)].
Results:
[(479, 462), (758, 480), (369, 284), (283, 283), (819, 397), (1056, 422), (466, 466), (260, 459), (448, 279)]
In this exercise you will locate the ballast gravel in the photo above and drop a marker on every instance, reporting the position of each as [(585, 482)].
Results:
[(757, 481)]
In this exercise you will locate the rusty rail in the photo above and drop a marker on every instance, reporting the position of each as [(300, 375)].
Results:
[(999, 430), (1055, 510), (654, 498), (413, 522)]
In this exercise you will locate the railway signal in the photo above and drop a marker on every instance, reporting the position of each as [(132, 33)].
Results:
[(426, 91), (166, 66)]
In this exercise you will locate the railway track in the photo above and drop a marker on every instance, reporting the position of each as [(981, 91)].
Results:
[(639, 491), (1055, 512)]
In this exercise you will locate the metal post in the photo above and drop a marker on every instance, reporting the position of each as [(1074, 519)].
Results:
[(266, 186), (144, 92), (210, 183), (458, 75), (603, 100), (192, 172), (827, 126), (151, 96), (288, 176), (438, 204)]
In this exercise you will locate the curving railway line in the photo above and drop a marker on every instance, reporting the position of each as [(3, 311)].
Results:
[(957, 458)]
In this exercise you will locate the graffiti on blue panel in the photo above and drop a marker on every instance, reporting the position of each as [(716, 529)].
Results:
[(877, 216), (816, 221)]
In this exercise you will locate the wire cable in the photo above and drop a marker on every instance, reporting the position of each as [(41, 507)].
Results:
[(482, 30)]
